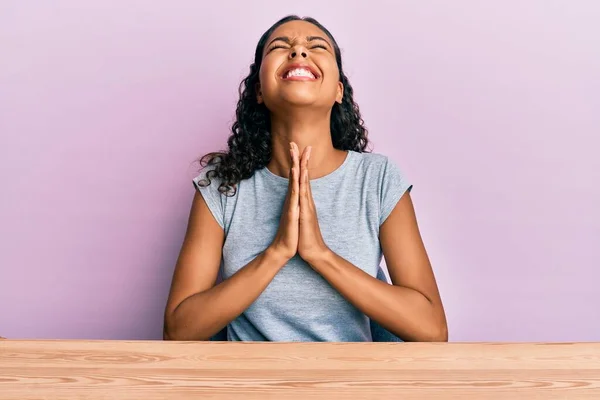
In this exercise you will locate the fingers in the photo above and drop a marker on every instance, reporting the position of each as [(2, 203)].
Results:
[(305, 203), (299, 179), (305, 158), (307, 181), (304, 168), (294, 175), (308, 188), (291, 180)]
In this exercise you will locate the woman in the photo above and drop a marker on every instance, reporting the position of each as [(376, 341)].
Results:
[(296, 215)]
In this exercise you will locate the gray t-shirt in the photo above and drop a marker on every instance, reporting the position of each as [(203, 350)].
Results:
[(299, 305)]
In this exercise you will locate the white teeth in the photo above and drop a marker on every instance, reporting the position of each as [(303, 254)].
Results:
[(299, 72)]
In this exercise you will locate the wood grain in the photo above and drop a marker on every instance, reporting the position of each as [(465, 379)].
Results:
[(213, 370)]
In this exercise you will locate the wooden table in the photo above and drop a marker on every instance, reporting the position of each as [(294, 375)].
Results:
[(213, 370)]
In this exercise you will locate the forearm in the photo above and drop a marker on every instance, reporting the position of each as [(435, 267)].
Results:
[(403, 311), (204, 314)]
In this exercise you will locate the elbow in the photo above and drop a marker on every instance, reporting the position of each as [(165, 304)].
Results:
[(438, 333), (434, 336), (175, 336), (435, 332), (171, 333), (168, 331), (442, 334), (172, 330), (438, 330)]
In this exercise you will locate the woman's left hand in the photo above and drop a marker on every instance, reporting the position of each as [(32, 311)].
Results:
[(310, 242)]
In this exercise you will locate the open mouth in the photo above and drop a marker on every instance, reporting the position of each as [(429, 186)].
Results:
[(299, 73)]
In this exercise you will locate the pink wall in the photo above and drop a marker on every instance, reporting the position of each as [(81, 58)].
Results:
[(493, 111)]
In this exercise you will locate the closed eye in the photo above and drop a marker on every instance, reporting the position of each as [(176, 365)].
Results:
[(277, 46), (319, 46)]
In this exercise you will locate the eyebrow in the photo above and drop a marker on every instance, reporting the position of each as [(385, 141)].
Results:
[(289, 41), (312, 38)]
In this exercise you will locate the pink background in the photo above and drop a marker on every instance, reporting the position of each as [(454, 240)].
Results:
[(491, 108)]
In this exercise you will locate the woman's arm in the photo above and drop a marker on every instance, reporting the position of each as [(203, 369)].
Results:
[(411, 307), (196, 308)]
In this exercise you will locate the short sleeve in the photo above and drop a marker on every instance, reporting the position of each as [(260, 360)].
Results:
[(393, 186), (209, 189)]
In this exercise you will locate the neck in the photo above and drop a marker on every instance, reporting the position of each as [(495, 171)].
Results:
[(304, 131)]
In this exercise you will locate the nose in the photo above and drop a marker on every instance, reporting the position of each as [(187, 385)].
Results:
[(297, 51)]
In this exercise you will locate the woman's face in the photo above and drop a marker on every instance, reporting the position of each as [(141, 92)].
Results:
[(299, 68)]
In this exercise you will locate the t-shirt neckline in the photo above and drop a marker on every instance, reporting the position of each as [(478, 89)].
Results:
[(281, 180)]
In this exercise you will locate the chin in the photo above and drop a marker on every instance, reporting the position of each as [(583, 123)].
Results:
[(300, 99), (299, 103)]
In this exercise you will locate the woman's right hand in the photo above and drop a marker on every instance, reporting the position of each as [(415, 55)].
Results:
[(286, 239)]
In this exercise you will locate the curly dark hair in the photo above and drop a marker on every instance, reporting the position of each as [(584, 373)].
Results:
[(250, 142)]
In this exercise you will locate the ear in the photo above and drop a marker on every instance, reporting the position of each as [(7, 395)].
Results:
[(340, 93), (259, 98)]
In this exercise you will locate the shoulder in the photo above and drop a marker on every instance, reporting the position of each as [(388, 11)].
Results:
[(382, 176), (207, 179), (210, 187), (380, 166), (372, 159), (208, 182)]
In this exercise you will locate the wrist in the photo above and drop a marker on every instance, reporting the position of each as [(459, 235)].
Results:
[(274, 255), (318, 257)]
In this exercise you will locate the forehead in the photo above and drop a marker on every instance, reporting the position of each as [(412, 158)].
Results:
[(294, 29)]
